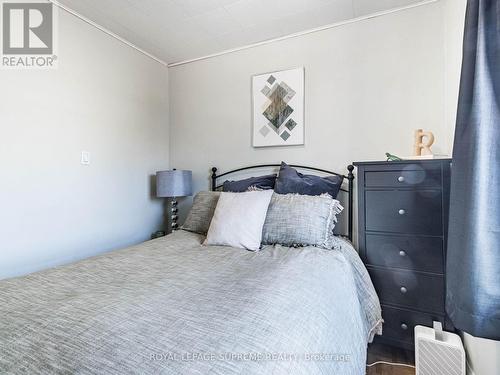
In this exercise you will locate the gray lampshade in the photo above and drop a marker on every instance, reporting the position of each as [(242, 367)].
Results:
[(173, 184)]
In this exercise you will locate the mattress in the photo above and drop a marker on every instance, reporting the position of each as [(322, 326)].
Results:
[(174, 306)]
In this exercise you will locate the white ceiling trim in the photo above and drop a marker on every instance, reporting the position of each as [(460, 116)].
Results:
[(106, 31), (253, 45), (301, 33)]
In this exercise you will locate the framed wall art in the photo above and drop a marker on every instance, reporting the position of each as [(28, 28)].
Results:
[(278, 108)]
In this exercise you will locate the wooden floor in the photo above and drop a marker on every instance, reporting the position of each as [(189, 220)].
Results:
[(380, 352)]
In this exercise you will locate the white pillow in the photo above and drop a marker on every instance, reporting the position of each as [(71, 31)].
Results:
[(238, 219)]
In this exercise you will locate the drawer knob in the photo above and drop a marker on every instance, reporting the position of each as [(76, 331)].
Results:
[(404, 326), (403, 290), (402, 253), (401, 179), (401, 212)]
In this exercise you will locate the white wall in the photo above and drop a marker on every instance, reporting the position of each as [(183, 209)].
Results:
[(454, 30), (483, 355), (368, 85), (105, 98)]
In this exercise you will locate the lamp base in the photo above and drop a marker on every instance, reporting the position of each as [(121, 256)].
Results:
[(173, 215)]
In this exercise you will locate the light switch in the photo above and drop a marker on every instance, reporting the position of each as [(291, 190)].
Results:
[(85, 157)]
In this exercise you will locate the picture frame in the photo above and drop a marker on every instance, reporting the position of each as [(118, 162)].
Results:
[(278, 108)]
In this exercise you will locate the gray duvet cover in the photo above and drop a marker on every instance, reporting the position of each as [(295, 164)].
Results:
[(172, 306)]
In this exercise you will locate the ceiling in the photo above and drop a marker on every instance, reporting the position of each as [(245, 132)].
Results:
[(177, 30)]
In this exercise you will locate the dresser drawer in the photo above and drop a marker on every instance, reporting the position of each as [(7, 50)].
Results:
[(409, 289), (399, 324), (408, 212), (408, 178), (409, 252)]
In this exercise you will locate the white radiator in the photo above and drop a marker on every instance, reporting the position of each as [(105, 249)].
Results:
[(438, 352)]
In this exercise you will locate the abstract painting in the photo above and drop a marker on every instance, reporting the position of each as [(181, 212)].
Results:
[(278, 108)]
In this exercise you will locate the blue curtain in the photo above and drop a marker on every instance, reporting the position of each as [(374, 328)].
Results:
[(473, 264)]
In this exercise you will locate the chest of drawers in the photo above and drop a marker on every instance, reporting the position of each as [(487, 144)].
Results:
[(403, 224)]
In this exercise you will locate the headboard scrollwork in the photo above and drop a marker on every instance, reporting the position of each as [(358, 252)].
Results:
[(349, 190)]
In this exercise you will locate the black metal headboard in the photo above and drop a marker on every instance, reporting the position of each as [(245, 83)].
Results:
[(349, 190)]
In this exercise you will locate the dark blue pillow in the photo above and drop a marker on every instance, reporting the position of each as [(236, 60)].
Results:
[(291, 181), (258, 183)]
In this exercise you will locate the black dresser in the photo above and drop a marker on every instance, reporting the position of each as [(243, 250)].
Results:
[(403, 224)]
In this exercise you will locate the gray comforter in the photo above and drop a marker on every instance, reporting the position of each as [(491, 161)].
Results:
[(172, 306)]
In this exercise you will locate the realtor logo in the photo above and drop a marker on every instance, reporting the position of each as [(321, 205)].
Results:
[(28, 35)]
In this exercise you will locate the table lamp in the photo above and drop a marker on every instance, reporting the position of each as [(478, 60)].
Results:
[(174, 184)]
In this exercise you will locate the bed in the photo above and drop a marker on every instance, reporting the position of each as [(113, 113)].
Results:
[(174, 306)]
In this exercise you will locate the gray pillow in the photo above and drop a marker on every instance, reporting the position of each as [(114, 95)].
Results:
[(202, 211), (301, 220)]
